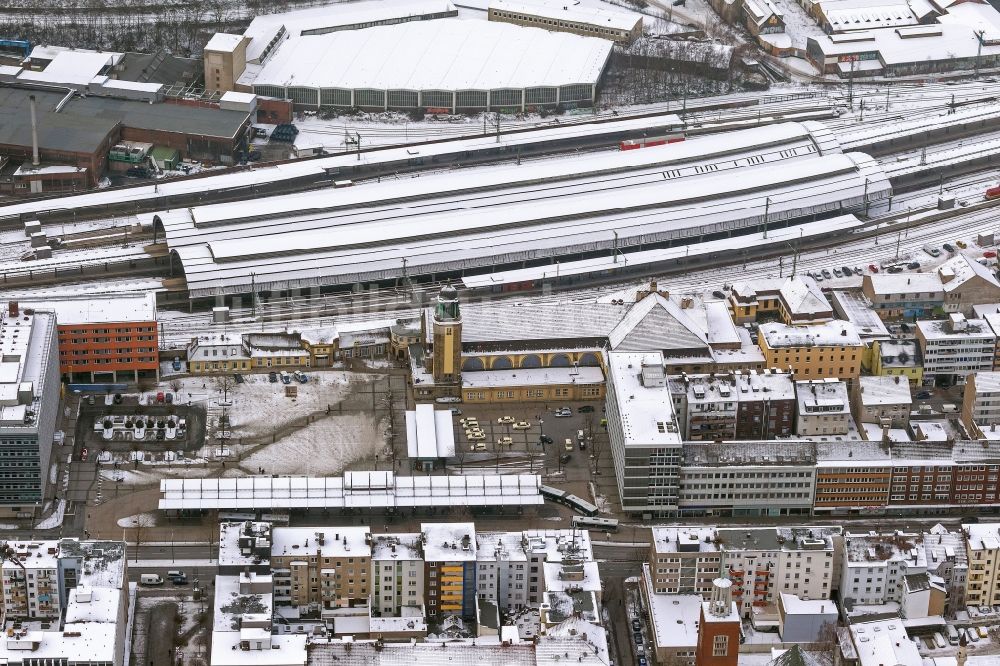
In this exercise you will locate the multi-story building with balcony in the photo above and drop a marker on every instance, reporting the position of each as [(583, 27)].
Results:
[(766, 407), (851, 478), (954, 348), (450, 568), (889, 568), (644, 434), (321, 568), (397, 576), (982, 548), (733, 405), (947, 558), (899, 295), (683, 560), (981, 403)]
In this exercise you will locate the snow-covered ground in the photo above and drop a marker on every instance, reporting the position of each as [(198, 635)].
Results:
[(321, 448), (54, 519)]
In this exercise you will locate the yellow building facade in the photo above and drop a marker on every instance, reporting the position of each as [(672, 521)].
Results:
[(832, 349)]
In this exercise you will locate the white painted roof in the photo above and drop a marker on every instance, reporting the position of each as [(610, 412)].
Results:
[(674, 617), (83, 642), (429, 433), (285, 650), (532, 377), (72, 68), (445, 54), (884, 391), (571, 11)]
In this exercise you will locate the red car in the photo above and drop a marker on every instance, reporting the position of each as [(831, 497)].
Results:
[(160, 397), (873, 268), (990, 254)]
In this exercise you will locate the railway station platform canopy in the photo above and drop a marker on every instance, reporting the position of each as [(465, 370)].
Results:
[(479, 220), (353, 490), (449, 63)]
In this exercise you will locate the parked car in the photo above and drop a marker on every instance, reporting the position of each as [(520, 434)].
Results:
[(923, 395), (637, 637), (895, 269), (170, 397), (505, 441), (150, 579), (817, 276), (990, 254), (118, 398), (858, 270), (177, 364), (521, 425), (238, 377), (456, 411), (826, 273), (586, 409), (545, 439), (564, 412), (873, 268), (948, 247), (285, 378), (961, 244), (837, 272), (931, 250), (718, 294), (913, 265), (272, 377), (636, 624), (568, 445), (847, 270), (642, 661), (160, 397), (505, 419), (302, 377), (565, 458)]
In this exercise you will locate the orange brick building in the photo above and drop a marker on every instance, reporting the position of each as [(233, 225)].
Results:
[(105, 339), (718, 628)]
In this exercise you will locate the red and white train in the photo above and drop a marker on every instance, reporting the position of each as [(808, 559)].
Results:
[(649, 141)]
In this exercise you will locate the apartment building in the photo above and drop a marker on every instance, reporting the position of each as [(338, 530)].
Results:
[(947, 558), (954, 348), (982, 548), (450, 568), (882, 400), (644, 434), (967, 283), (683, 560), (31, 587), (512, 569), (766, 562), (29, 405), (763, 478), (321, 568), (981, 403), (733, 405), (105, 339), (829, 350), (880, 568), (823, 408), (397, 573)]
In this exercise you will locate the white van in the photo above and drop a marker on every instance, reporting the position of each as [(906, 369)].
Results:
[(150, 579), (953, 636)]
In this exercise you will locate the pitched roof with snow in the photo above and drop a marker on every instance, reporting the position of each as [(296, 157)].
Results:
[(960, 269), (657, 323), (803, 297)]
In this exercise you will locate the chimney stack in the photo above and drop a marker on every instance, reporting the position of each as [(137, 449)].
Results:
[(34, 134), (12, 309)]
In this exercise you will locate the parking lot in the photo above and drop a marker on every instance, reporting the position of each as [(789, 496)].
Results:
[(513, 434)]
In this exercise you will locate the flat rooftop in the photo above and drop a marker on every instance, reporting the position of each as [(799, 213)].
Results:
[(647, 412), (449, 542), (321, 541), (120, 308), (445, 54), (674, 617)]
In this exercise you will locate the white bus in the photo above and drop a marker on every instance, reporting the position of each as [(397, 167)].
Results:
[(603, 524)]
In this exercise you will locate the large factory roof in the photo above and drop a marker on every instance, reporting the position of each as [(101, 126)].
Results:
[(56, 131), (446, 54)]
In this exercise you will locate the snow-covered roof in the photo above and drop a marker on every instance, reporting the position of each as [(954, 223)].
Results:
[(875, 391), (268, 28), (321, 541), (684, 540), (803, 297), (982, 536), (822, 396), (795, 605), (895, 284), (483, 651), (532, 377), (645, 407), (396, 546), (899, 353), (914, 44), (674, 617), (855, 308), (980, 16), (884, 642), (446, 54), (584, 642), (224, 42), (72, 68), (284, 650), (958, 270), (572, 576), (834, 333), (657, 323), (762, 10), (231, 603), (27, 346), (83, 642), (93, 604), (449, 542), (353, 490), (429, 433), (937, 329), (97, 309), (603, 15)]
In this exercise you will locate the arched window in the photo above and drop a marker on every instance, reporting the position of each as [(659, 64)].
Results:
[(559, 361), (531, 361), (472, 364), (502, 363), (589, 360)]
